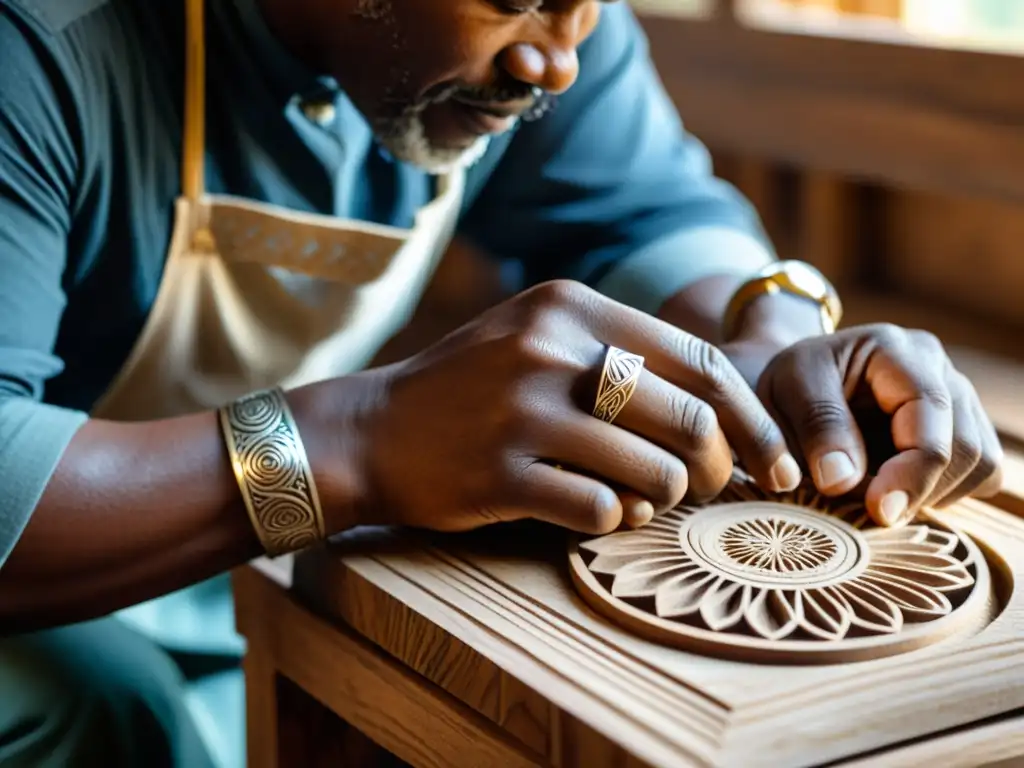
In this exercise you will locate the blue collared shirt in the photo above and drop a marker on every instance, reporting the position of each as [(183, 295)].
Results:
[(608, 189)]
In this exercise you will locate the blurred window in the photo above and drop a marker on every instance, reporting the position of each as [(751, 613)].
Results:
[(996, 25)]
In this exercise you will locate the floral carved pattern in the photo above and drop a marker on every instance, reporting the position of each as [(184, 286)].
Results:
[(778, 545), (766, 570)]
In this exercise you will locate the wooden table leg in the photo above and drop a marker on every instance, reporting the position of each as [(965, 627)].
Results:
[(261, 722)]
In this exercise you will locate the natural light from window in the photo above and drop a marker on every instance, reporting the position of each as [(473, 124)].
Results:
[(986, 24)]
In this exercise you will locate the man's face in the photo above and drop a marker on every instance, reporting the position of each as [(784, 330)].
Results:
[(436, 78)]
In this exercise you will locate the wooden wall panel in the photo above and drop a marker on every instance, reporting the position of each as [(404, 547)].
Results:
[(893, 113), (964, 253), (905, 163)]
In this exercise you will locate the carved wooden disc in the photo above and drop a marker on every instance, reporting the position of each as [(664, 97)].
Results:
[(785, 579)]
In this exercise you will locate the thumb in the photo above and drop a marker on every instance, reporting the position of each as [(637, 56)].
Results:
[(805, 390)]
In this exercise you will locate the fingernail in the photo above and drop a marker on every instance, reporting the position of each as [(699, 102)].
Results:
[(785, 475), (834, 469), (643, 513), (894, 506)]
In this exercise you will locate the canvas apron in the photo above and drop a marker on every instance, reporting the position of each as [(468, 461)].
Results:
[(254, 296)]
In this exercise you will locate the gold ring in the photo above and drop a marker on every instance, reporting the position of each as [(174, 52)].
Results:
[(619, 375)]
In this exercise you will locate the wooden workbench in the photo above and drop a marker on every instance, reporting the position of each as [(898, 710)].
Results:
[(475, 650)]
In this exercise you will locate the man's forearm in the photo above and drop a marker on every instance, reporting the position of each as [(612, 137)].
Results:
[(699, 307), (135, 511), (778, 319), (767, 325)]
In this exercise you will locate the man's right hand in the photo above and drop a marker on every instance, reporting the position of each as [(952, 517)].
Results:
[(493, 423), (465, 433)]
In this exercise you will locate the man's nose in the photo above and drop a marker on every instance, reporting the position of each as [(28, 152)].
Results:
[(549, 63)]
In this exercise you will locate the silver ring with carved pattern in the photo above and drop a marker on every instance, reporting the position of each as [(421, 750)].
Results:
[(619, 376)]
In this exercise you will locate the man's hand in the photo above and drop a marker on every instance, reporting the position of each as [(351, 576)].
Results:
[(494, 423), (881, 406)]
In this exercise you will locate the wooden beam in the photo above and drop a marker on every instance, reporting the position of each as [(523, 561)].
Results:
[(878, 109)]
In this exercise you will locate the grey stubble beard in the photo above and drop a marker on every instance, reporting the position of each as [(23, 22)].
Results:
[(403, 134)]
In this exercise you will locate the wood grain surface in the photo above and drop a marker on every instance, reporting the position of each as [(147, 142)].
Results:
[(493, 619), (786, 579), (410, 717)]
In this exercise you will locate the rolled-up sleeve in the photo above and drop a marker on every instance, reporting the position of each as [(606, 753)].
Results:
[(38, 168), (611, 190)]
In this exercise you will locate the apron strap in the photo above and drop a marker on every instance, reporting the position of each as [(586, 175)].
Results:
[(194, 139)]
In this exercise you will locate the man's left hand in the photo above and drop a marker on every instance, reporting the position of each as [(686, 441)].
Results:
[(881, 410)]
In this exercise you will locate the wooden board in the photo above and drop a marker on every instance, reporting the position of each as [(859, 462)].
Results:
[(493, 618)]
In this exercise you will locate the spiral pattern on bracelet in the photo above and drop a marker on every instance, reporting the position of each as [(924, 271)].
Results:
[(255, 414), (272, 471), (267, 457), (287, 521)]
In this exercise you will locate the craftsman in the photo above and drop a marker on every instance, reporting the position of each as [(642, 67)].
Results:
[(201, 254)]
